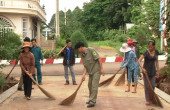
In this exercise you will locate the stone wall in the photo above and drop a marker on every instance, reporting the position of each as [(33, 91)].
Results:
[(46, 44)]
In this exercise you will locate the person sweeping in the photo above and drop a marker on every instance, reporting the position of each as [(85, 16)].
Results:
[(92, 65), (27, 63), (150, 67), (132, 65)]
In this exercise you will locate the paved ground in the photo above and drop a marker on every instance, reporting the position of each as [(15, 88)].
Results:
[(109, 98), (58, 69)]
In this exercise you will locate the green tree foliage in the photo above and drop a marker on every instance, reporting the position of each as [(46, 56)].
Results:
[(2, 79), (152, 8), (77, 36), (9, 45), (96, 17)]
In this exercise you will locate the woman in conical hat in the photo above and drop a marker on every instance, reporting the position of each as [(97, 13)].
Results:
[(27, 63), (130, 62)]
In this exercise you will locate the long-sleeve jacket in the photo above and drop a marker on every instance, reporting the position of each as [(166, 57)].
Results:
[(130, 61), (37, 54), (27, 62), (72, 57)]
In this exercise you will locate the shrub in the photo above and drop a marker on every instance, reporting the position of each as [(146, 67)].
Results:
[(51, 53), (2, 79), (77, 36), (60, 43), (9, 45)]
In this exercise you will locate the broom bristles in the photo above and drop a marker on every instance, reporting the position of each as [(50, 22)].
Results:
[(71, 98), (108, 81), (43, 90), (152, 95), (121, 80)]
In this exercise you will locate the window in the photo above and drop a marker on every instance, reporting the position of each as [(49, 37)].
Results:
[(25, 25)]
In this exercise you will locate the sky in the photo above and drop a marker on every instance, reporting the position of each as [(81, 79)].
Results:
[(50, 6)]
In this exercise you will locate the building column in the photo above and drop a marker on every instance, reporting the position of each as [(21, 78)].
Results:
[(38, 33)]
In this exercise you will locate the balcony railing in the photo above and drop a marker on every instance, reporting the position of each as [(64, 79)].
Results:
[(18, 4)]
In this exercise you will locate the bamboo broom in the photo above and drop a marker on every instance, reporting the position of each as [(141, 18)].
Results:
[(72, 97), (121, 80), (109, 80), (152, 95), (43, 90)]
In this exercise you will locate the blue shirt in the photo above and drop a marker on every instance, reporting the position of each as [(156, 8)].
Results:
[(130, 61), (68, 53)]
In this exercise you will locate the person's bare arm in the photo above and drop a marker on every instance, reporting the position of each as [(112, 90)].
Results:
[(157, 66), (140, 64)]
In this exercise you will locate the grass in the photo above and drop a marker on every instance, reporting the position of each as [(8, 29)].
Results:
[(99, 43), (107, 44)]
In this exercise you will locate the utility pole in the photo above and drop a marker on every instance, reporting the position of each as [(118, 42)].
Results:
[(65, 16), (57, 20), (163, 23)]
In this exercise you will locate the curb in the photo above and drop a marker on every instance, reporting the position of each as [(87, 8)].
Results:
[(79, 60), (8, 93), (160, 93)]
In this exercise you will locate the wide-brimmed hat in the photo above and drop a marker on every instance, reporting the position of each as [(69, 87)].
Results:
[(26, 44), (130, 42), (134, 41), (125, 48)]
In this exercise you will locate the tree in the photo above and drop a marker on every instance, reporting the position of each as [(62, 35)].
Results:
[(9, 45), (152, 8), (77, 36)]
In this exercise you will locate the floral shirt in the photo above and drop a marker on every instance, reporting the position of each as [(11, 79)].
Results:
[(130, 61)]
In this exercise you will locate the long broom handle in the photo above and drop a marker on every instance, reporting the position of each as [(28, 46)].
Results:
[(118, 71), (12, 69), (149, 82), (61, 50), (33, 80), (79, 86)]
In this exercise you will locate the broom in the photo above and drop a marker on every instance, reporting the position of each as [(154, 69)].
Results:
[(12, 69), (109, 80), (121, 80), (43, 90), (152, 95), (71, 98)]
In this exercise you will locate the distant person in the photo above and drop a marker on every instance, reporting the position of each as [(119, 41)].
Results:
[(36, 50), (68, 62), (27, 63), (133, 66), (150, 67), (137, 52), (92, 65), (20, 85), (131, 45)]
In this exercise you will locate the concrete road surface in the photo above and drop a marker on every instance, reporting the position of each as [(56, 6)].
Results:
[(109, 98), (58, 69)]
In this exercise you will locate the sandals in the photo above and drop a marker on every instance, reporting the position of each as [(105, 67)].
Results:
[(134, 92), (147, 103), (127, 90), (28, 98)]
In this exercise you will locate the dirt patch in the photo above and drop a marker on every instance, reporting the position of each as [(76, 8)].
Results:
[(105, 51), (8, 84), (163, 81)]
